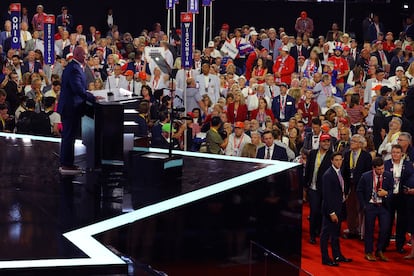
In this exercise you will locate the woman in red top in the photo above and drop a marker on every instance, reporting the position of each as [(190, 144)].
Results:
[(388, 44), (260, 71), (237, 110), (261, 112), (308, 108)]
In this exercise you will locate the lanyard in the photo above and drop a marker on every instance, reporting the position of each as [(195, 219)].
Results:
[(352, 162), (318, 160), (234, 142)]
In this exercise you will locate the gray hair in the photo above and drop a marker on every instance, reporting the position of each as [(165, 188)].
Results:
[(361, 138), (407, 135)]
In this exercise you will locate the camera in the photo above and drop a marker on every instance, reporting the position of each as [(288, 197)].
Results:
[(223, 134)]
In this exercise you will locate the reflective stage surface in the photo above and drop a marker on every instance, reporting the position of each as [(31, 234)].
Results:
[(139, 218)]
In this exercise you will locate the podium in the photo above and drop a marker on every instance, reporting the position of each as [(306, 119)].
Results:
[(103, 129)]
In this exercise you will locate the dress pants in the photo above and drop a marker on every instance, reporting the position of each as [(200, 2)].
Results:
[(352, 211), (330, 230), (315, 217), (397, 205), (372, 212), (71, 125)]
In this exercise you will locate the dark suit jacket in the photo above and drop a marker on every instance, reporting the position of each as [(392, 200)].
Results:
[(25, 68), (406, 171), (131, 66), (73, 93), (310, 165), (373, 31), (279, 153), (364, 164), (290, 109), (365, 185), (331, 193), (295, 54), (377, 55), (69, 17), (66, 50)]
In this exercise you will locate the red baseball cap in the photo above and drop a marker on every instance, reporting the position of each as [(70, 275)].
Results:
[(324, 137), (129, 73), (238, 125)]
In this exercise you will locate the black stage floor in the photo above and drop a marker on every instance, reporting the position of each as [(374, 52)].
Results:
[(119, 219)]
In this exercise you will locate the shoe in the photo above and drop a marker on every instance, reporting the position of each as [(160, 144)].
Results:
[(409, 257), (342, 259), (351, 236), (330, 263), (381, 256), (312, 241), (370, 257), (401, 250), (70, 170)]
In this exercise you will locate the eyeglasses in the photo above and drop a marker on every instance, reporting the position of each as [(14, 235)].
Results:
[(402, 140)]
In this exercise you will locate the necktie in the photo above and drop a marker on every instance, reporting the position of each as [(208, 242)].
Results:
[(341, 182), (129, 86), (268, 153), (378, 186)]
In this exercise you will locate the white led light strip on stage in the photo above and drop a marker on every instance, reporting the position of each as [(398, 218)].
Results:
[(99, 254)]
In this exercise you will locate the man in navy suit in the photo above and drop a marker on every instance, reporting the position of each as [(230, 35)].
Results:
[(401, 170), (271, 150), (283, 105), (318, 162), (65, 19), (374, 190), (73, 97), (298, 50), (333, 198)]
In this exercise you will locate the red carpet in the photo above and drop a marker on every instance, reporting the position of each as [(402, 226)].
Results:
[(311, 257)]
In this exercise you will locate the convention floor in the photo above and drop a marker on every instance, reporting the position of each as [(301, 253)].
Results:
[(105, 219)]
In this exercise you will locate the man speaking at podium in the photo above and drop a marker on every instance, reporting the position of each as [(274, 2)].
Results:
[(71, 108)]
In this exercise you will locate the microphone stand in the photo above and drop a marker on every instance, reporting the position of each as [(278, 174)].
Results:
[(110, 94), (172, 93)]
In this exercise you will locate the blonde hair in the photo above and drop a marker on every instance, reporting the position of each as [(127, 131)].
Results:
[(249, 150), (242, 101), (330, 101)]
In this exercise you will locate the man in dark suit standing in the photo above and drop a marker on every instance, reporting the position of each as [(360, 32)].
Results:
[(71, 108), (65, 20), (271, 150), (298, 50), (333, 198), (401, 170), (318, 162), (356, 162), (283, 105), (374, 191)]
